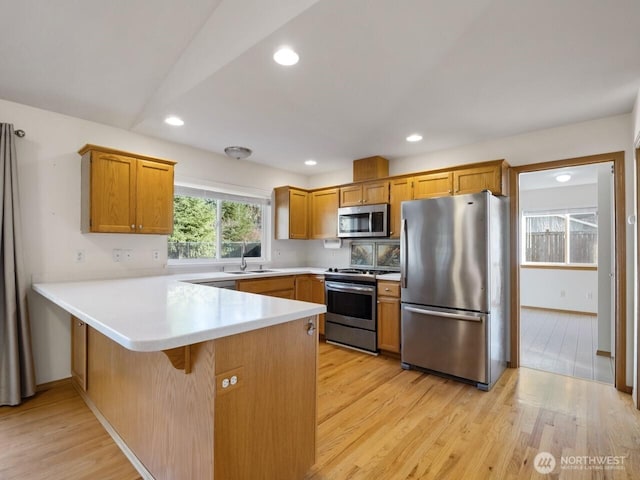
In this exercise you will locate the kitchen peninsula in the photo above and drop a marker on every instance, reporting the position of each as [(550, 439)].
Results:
[(194, 381)]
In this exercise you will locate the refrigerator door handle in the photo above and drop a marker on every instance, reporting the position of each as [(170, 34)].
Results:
[(457, 316), (403, 255)]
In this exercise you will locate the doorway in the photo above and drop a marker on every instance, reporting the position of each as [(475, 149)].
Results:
[(617, 342), (566, 271)]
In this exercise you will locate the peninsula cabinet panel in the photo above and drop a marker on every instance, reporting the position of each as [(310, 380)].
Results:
[(292, 207), (265, 427), (79, 353), (433, 185), (323, 210), (476, 179), (125, 193), (400, 190)]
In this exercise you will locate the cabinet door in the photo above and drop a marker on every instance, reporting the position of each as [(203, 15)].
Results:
[(298, 214), (317, 296), (274, 286), (433, 185), (324, 214), (303, 288), (389, 324), (399, 191), (79, 353), (265, 426), (375, 192), (154, 197), (473, 180), (351, 196), (113, 193)]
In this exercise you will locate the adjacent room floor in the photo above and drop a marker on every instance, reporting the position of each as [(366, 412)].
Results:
[(564, 343)]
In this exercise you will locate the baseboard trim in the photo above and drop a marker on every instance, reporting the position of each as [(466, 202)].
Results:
[(626, 389), (137, 464), (603, 353), (559, 310), (56, 383)]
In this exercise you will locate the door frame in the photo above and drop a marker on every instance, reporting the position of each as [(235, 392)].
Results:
[(620, 260), (637, 152)]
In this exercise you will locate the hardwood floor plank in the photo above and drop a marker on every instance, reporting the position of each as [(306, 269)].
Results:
[(376, 421)]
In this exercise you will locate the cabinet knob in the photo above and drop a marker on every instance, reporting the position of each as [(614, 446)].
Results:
[(140, 227), (387, 290), (133, 227), (311, 328), (80, 324)]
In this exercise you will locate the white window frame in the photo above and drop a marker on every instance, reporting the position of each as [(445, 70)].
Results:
[(212, 193), (566, 214)]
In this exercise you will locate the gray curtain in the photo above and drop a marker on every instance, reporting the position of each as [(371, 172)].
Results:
[(17, 378)]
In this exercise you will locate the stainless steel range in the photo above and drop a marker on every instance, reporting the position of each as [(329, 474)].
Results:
[(351, 318)]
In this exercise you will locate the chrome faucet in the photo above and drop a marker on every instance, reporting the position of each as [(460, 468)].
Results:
[(243, 261)]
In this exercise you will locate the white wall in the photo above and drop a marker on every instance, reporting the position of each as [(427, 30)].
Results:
[(604, 135), (560, 289), (49, 179)]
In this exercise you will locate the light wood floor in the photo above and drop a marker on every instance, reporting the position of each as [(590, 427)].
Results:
[(376, 421), (564, 343)]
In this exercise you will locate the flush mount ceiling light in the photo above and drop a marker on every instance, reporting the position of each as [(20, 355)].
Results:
[(415, 137), (239, 153), (310, 162), (563, 177), (286, 56), (174, 121)]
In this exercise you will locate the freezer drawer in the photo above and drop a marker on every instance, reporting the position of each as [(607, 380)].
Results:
[(448, 341)]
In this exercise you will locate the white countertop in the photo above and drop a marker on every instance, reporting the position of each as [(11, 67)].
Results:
[(157, 313), (389, 276)]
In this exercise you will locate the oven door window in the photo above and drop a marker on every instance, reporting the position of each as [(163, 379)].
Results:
[(354, 223), (355, 305)]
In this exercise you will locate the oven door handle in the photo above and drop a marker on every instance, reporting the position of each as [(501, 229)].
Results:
[(339, 288)]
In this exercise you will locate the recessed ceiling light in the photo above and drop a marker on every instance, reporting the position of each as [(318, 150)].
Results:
[(563, 177), (174, 121), (310, 162), (285, 56), (416, 137)]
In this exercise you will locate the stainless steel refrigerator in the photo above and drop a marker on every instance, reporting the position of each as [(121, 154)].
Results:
[(455, 280)]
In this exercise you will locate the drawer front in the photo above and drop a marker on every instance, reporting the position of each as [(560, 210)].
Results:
[(272, 284), (388, 289)]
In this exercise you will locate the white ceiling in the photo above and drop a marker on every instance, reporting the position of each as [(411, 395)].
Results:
[(580, 175), (371, 72)]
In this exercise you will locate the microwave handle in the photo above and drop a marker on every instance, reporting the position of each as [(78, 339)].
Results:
[(404, 253)]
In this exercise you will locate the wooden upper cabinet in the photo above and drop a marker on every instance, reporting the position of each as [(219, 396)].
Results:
[(364, 193), (433, 185), (125, 193), (400, 190), (292, 220), (492, 176), (323, 209), (154, 197)]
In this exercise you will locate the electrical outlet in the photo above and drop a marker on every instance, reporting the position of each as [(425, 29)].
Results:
[(589, 295), (563, 293), (116, 254), (127, 255), (277, 253), (79, 256), (155, 255)]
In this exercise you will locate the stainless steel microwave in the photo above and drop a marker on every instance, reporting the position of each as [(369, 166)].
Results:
[(365, 221)]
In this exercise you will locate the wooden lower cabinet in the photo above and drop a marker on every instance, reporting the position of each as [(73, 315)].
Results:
[(389, 316), (79, 353), (183, 425), (310, 288), (283, 287)]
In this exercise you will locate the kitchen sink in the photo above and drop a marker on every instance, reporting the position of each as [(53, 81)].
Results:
[(240, 272)]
